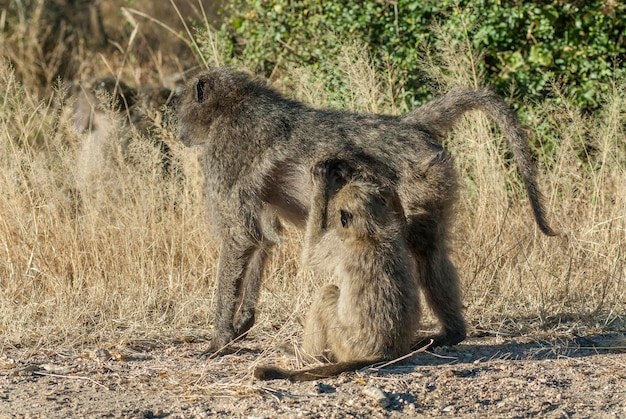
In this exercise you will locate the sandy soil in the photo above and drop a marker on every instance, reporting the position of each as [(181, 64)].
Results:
[(483, 377)]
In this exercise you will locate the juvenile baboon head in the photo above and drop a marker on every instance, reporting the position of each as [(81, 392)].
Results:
[(362, 210)]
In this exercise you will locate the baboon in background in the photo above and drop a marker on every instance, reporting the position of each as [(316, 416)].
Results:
[(357, 233), (96, 100), (111, 113), (257, 146)]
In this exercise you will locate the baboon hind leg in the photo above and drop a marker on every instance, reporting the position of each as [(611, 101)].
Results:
[(320, 320), (440, 283), (438, 279)]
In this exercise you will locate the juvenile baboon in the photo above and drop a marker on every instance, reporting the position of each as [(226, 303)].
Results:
[(257, 145), (356, 232)]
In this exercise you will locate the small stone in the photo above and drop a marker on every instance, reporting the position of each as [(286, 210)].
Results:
[(322, 388), (378, 395)]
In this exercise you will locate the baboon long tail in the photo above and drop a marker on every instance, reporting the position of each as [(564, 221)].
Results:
[(269, 372), (441, 114)]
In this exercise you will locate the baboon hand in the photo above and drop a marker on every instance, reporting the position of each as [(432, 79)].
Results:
[(331, 174), (320, 173), (341, 172)]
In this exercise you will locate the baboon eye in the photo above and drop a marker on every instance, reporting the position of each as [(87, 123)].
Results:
[(198, 88), (346, 218)]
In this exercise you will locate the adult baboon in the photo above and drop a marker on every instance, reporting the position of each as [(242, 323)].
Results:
[(356, 231), (257, 145)]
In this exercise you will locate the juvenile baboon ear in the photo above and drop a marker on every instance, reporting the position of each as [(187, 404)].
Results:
[(346, 218), (198, 88)]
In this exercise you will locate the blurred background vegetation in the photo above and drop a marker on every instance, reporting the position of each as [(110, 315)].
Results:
[(530, 51), (526, 49)]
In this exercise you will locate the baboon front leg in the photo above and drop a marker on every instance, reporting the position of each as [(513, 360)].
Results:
[(249, 292), (316, 222), (235, 258)]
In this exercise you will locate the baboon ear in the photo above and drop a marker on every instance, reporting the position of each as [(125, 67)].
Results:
[(198, 89), (346, 218)]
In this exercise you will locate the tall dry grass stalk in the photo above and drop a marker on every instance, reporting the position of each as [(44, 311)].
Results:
[(129, 254), (23, 34), (367, 89)]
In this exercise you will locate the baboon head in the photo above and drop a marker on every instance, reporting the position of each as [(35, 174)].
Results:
[(121, 95), (217, 94), (363, 210), (103, 94)]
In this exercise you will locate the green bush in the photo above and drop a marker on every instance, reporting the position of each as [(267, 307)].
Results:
[(525, 45)]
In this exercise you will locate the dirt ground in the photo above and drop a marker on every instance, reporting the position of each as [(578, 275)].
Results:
[(577, 377)]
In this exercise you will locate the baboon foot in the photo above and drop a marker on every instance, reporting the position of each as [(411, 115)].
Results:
[(219, 345), (221, 340), (243, 323), (442, 339)]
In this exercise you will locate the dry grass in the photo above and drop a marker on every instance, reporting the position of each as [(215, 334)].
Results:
[(130, 255)]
